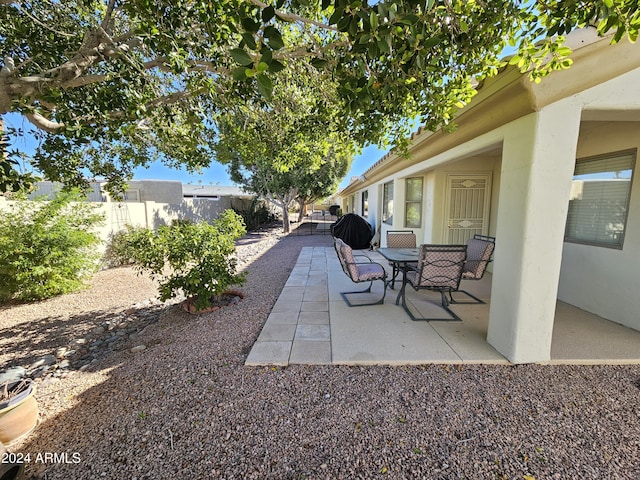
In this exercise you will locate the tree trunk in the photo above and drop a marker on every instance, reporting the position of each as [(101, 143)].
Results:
[(301, 213), (286, 227)]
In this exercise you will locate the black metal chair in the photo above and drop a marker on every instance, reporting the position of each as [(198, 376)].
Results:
[(439, 269), (479, 254), (399, 239), (359, 272)]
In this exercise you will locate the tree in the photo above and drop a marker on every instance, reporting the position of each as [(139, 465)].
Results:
[(322, 182), (294, 148), (134, 75)]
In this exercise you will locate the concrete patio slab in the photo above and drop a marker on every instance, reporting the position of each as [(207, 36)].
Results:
[(269, 353), (311, 324), (311, 352)]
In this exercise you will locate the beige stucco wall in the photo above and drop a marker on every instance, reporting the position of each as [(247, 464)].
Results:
[(153, 214), (605, 280), (433, 229)]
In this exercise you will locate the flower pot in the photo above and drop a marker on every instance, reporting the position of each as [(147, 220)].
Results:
[(19, 412)]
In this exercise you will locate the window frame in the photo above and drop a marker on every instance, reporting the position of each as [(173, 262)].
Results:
[(365, 203), (625, 220), (387, 216), (408, 202)]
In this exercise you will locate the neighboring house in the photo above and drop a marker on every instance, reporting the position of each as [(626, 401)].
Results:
[(546, 168)]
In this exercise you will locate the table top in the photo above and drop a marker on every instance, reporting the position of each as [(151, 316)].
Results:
[(399, 255)]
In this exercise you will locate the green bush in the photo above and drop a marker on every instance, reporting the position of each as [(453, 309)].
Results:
[(47, 248), (196, 259), (255, 214), (119, 251)]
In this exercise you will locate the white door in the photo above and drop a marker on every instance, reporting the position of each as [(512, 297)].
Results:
[(467, 206)]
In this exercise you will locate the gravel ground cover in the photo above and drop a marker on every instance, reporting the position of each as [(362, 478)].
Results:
[(187, 407)]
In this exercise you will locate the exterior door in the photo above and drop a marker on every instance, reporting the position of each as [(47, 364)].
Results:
[(467, 206)]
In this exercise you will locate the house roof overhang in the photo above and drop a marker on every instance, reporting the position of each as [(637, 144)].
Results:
[(509, 96)]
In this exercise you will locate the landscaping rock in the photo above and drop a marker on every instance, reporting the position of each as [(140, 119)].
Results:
[(12, 374), (45, 360)]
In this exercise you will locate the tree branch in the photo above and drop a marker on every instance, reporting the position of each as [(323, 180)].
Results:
[(291, 17), (44, 123)]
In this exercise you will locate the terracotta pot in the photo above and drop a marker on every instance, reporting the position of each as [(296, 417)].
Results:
[(18, 414), (8, 469)]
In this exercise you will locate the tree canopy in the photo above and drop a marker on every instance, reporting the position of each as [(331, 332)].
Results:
[(296, 148), (114, 84)]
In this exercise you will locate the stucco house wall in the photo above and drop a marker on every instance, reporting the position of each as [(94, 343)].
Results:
[(603, 280), (528, 137)]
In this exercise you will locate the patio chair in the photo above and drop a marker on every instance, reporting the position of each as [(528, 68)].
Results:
[(399, 239), (359, 271), (439, 269), (479, 251)]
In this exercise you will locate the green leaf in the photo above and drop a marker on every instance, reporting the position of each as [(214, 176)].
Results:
[(274, 37), (337, 15), (239, 74), (249, 40), (240, 56), (268, 13), (250, 25), (275, 66), (373, 20), (265, 86), (318, 63)]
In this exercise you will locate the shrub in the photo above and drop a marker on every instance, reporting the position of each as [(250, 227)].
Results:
[(47, 248), (119, 251), (196, 259), (255, 214)]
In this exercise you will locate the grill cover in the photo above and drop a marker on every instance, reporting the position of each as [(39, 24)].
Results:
[(354, 230)]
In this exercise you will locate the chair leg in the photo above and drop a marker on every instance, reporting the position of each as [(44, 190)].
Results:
[(367, 290), (476, 299), (445, 305)]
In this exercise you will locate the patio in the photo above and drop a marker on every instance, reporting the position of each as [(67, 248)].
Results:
[(311, 324)]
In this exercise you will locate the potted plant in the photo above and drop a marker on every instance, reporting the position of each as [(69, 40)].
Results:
[(18, 410)]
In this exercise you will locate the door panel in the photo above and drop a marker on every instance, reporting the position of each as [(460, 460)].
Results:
[(467, 206)]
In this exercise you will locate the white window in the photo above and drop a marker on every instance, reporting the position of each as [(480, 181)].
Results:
[(387, 203), (599, 201), (413, 203), (365, 203)]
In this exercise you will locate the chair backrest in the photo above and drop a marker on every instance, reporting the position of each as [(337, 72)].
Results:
[(401, 239), (479, 251), (345, 255), (441, 266)]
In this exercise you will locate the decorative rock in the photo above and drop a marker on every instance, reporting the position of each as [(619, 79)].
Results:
[(12, 374), (45, 360), (79, 341), (138, 348), (61, 352), (97, 330), (64, 364)]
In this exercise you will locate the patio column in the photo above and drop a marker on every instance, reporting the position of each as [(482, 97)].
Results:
[(538, 160)]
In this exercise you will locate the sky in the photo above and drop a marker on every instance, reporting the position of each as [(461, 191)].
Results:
[(215, 174)]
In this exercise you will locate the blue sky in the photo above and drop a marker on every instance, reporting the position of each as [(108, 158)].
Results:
[(215, 174), (218, 173)]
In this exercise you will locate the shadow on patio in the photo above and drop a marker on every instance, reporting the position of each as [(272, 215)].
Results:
[(311, 324)]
